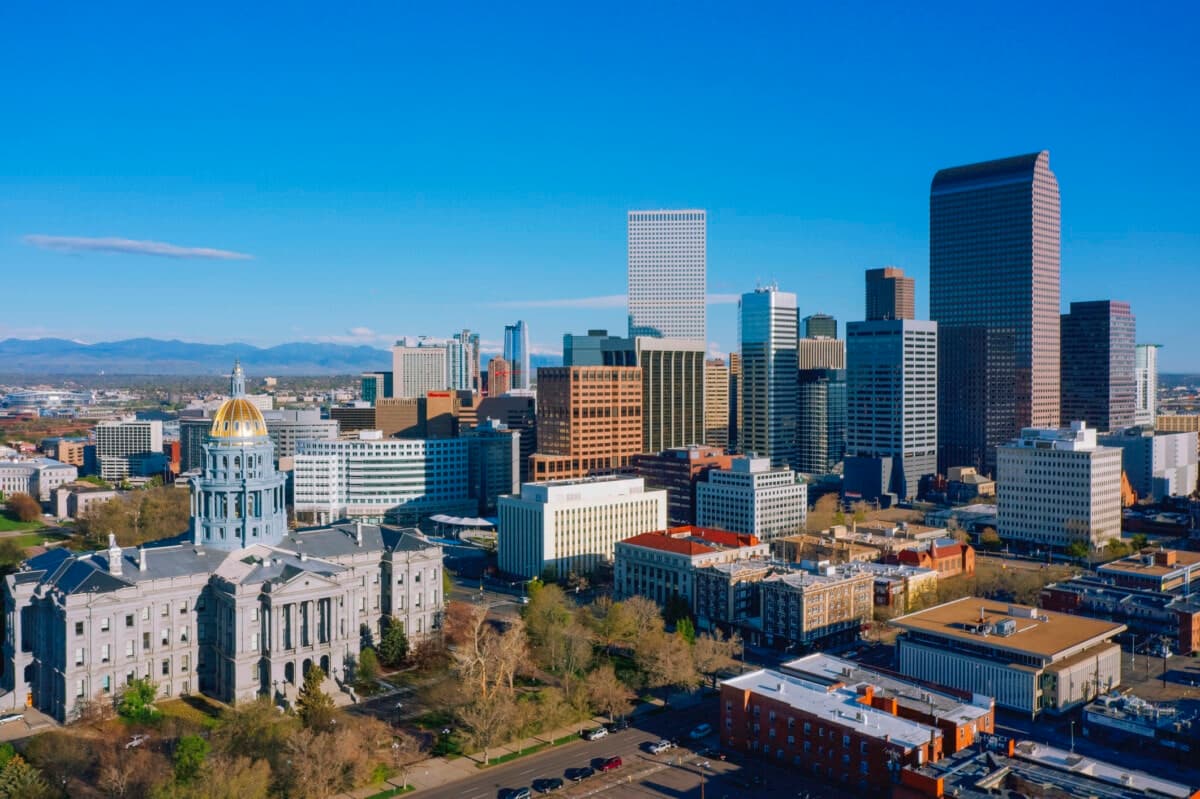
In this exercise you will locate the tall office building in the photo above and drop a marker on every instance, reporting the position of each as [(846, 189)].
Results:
[(820, 353), (130, 448), (819, 325), (493, 464), (735, 402), (891, 407), (289, 427), (667, 274), (516, 352), (994, 244), (517, 410), (375, 386), (1146, 383), (1098, 340), (753, 497), (767, 330), (821, 430), (716, 403), (589, 421), (462, 361), (890, 295), (418, 367), (499, 377), (672, 381)]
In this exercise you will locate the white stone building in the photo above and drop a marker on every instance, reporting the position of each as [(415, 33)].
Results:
[(751, 497), (662, 565)]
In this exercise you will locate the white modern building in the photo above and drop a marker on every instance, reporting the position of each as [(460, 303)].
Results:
[(37, 477), (668, 274), (1056, 487), (372, 478), (891, 407), (769, 397), (419, 365), (1145, 365), (573, 526), (129, 448), (289, 427), (1158, 465), (752, 497)]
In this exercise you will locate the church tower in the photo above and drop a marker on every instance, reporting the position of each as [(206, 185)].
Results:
[(238, 499)]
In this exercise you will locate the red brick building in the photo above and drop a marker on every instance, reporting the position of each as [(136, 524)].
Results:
[(678, 470), (947, 557)]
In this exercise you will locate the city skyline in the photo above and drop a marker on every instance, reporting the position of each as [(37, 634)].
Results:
[(188, 170)]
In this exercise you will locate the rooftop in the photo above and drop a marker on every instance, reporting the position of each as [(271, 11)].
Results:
[(837, 703), (692, 540), (1013, 628), (1156, 564)]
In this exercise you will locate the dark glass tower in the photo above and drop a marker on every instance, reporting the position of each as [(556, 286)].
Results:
[(819, 325), (890, 295), (1098, 341), (994, 241)]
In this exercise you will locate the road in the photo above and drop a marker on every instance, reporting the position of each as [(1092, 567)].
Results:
[(677, 774)]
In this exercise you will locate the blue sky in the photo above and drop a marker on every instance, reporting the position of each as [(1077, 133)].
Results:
[(399, 170)]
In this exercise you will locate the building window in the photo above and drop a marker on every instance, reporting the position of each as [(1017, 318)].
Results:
[(79, 656), (166, 667), (79, 628), (166, 636), (104, 653), (145, 614), (78, 688), (129, 649), (128, 619), (106, 683), (146, 641), (183, 608), (166, 610), (104, 625), (183, 663)]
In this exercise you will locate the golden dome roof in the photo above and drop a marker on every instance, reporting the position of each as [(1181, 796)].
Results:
[(238, 418)]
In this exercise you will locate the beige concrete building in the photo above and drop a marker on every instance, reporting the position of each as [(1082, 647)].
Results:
[(821, 353), (589, 421), (806, 607), (716, 403)]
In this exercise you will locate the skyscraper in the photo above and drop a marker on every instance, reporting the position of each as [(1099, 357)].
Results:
[(516, 352), (767, 330), (819, 325), (1146, 384), (821, 429), (821, 353), (589, 421), (418, 367), (667, 274), (890, 295), (994, 241), (499, 374), (716, 403), (462, 361), (891, 407), (1098, 364)]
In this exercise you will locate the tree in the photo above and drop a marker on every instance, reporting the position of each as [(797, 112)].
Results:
[(611, 623), (393, 644), (666, 660), (60, 756), (488, 721), (989, 539), (676, 608), (1138, 542), (715, 653), (136, 702), (254, 730), (686, 630), (23, 507), (313, 704), (821, 517), (367, 671), (190, 754), (226, 777), (1078, 550), (608, 694), (645, 617), (11, 554), (19, 780)]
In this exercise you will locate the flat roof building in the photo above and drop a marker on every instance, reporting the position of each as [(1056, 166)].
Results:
[(1170, 570), (589, 421), (752, 497), (678, 471)]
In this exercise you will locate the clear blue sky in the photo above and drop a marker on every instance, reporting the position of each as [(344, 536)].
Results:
[(394, 169)]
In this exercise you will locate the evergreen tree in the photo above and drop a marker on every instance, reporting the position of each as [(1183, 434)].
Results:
[(313, 704), (393, 646)]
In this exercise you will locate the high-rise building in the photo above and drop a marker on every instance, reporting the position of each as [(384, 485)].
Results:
[(994, 241), (287, 427), (821, 431), (672, 381), (1158, 464), (716, 403), (1057, 487), (375, 386), (820, 353), (891, 407), (589, 420), (752, 497), (667, 274), (462, 361), (890, 295), (418, 367), (516, 352), (819, 325), (517, 411), (677, 471), (192, 435), (573, 526), (493, 464), (1146, 383), (130, 448), (735, 402), (767, 331), (499, 377), (1098, 364)]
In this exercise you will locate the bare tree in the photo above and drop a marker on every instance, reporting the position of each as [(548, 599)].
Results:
[(645, 617), (667, 662), (607, 693), (488, 721), (716, 653)]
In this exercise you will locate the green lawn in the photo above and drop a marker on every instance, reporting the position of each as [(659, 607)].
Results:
[(8, 524)]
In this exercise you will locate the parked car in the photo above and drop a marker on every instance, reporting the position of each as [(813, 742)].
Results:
[(618, 725), (135, 741), (612, 764), (548, 785), (514, 793), (7, 717), (596, 734), (580, 774), (658, 747), (702, 731)]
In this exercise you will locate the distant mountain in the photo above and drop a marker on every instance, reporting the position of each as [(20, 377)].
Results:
[(149, 356)]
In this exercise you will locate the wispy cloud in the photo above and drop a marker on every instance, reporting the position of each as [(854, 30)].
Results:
[(79, 244), (603, 301)]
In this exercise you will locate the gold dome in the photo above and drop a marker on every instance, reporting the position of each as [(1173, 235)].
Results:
[(238, 418)]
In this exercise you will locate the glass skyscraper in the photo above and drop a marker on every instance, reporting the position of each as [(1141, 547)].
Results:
[(767, 324), (516, 352), (667, 274), (994, 242), (1098, 341)]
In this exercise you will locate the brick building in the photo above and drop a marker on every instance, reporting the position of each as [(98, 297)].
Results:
[(678, 470), (589, 421)]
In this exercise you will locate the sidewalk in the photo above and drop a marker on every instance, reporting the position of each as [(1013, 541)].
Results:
[(439, 771)]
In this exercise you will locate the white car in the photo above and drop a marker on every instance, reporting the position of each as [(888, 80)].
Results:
[(7, 717), (659, 747), (596, 734), (135, 741)]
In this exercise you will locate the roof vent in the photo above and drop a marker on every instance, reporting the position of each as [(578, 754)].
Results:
[(303, 556), (141, 559)]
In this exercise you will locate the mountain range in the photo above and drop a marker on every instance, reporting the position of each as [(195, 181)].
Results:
[(149, 356)]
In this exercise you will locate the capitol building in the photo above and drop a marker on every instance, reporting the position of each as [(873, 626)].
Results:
[(236, 608)]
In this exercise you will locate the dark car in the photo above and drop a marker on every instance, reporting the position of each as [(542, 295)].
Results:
[(618, 725), (580, 774), (548, 785), (514, 793), (612, 764)]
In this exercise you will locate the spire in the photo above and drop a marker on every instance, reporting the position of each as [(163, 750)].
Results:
[(237, 381)]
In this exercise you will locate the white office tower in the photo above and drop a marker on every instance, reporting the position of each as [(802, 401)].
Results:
[(667, 274), (751, 497), (418, 367), (572, 526), (129, 448), (1145, 366), (1057, 487), (769, 393)]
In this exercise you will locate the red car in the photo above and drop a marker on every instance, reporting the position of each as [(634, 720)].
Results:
[(612, 764)]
